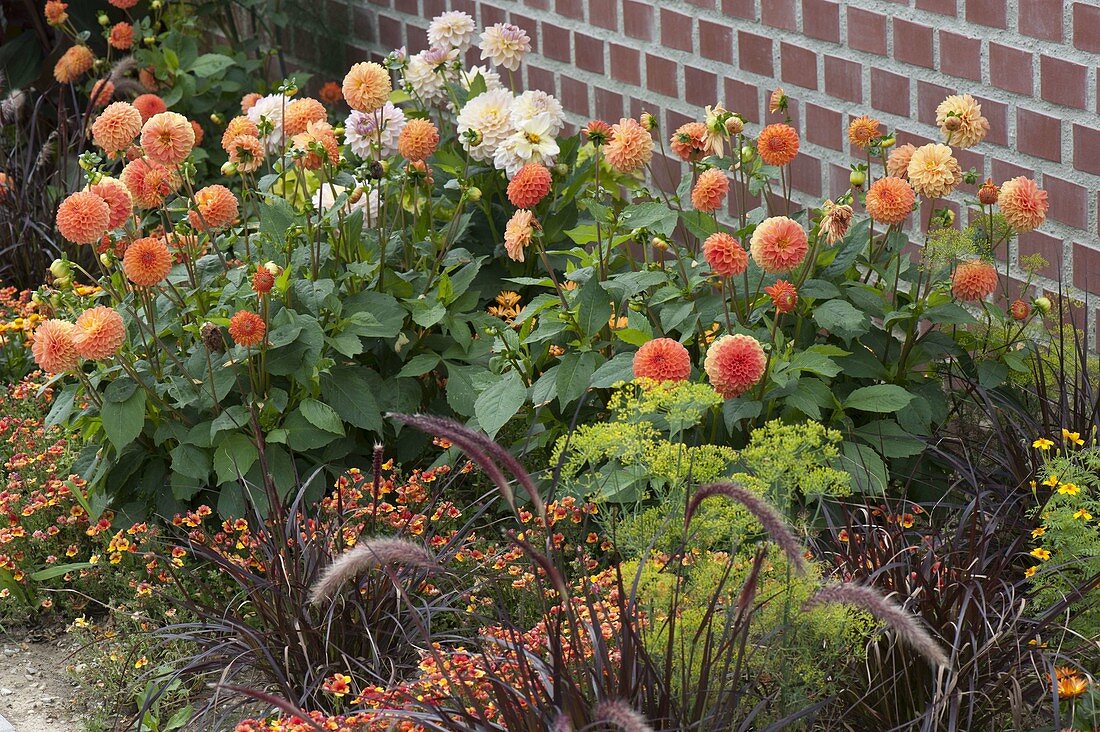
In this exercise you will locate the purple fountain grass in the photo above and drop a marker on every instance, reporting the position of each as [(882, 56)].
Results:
[(773, 523), (618, 713), (369, 554)]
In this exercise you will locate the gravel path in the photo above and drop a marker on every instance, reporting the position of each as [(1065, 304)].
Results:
[(36, 694)]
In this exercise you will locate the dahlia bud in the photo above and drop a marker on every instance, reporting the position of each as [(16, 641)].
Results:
[(156, 4), (375, 171), (338, 130), (953, 123), (857, 178), (1043, 304), (103, 19), (148, 40), (659, 244), (1019, 310), (60, 268), (648, 121), (474, 137), (356, 195), (987, 194), (217, 118), (946, 217), (888, 142), (55, 300), (106, 259), (561, 169), (970, 177), (747, 154), (734, 124), (212, 337), (473, 193), (273, 268), (229, 168)]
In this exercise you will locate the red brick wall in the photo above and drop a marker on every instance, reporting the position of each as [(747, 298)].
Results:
[(1031, 63)]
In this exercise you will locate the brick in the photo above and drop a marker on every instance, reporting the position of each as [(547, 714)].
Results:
[(604, 13), (589, 52), (960, 56), (406, 6), (609, 104), (1086, 141), (1039, 135), (570, 8), (1086, 26), (799, 65), (1069, 202), (638, 20), (574, 96), (806, 174), (821, 20), (555, 42), (1010, 68), (779, 14), (676, 30), (540, 4), (754, 53), (538, 78), (890, 92), (1004, 170), (824, 127), (1086, 268), (997, 114), (1041, 19), (716, 41), (993, 13), (1063, 82), (739, 9), (1047, 247), (913, 43), (743, 98), (660, 75), (389, 31), (929, 97), (490, 15), (626, 64), (526, 23), (943, 7), (708, 4), (843, 79), (700, 86), (866, 31)]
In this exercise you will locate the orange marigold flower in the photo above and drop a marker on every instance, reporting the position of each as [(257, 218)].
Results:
[(890, 200), (518, 233), (55, 12), (778, 244), (629, 147), (367, 86), (247, 328), (103, 91), (1019, 310), (300, 112), (167, 138), (149, 105), (73, 64), (933, 171), (263, 281), (215, 208), (725, 255), (53, 348), (149, 183), (897, 165), (246, 152), (710, 190), (147, 261), (777, 144), (331, 93), (83, 217), (121, 36), (99, 333), (974, 281), (530, 185), (116, 127), (1023, 204), (862, 131), (238, 126), (784, 296), (689, 141), (119, 201), (418, 139), (249, 100), (960, 119), (662, 359), (734, 363)]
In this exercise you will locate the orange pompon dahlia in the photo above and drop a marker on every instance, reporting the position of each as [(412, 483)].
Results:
[(263, 281), (167, 138), (897, 165), (197, 129), (147, 261), (783, 294), (215, 208), (710, 190), (689, 141), (418, 139), (118, 198), (629, 147), (960, 119), (53, 348), (778, 244), (662, 359), (121, 37), (246, 152), (331, 93), (1023, 204), (300, 112), (123, 4), (55, 12), (734, 363), (518, 233), (238, 126), (248, 101), (73, 64), (83, 217), (149, 105), (103, 91), (99, 333), (777, 144), (247, 329), (974, 281), (1019, 310), (367, 86), (933, 171), (890, 200), (318, 136), (725, 255), (530, 185), (862, 131), (149, 183), (116, 127)]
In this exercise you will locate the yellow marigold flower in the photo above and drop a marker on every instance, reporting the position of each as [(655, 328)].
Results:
[(1072, 687), (1074, 437), (1036, 533), (1069, 489), (1040, 553), (1030, 571), (1043, 444), (1051, 481), (1082, 514)]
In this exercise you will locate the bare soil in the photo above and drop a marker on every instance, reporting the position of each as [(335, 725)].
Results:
[(36, 690)]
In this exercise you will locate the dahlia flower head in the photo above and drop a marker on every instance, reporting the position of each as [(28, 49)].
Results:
[(531, 142), (662, 359), (710, 190), (777, 144), (149, 105), (300, 112), (246, 152), (505, 45), (960, 119), (120, 203), (418, 139), (452, 29), (149, 183), (167, 138), (367, 86), (147, 261), (862, 131), (630, 146), (53, 348), (725, 255), (933, 171), (247, 329), (974, 281), (423, 80), (270, 108), (363, 130), (783, 294), (531, 104), (529, 186), (734, 363), (778, 244), (490, 115), (897, 164), (890, 200), (236, 127), (835, 220), (1023, 204), (73, 64), (83, 217), (98, 333), (518, 233), (215, 208)]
